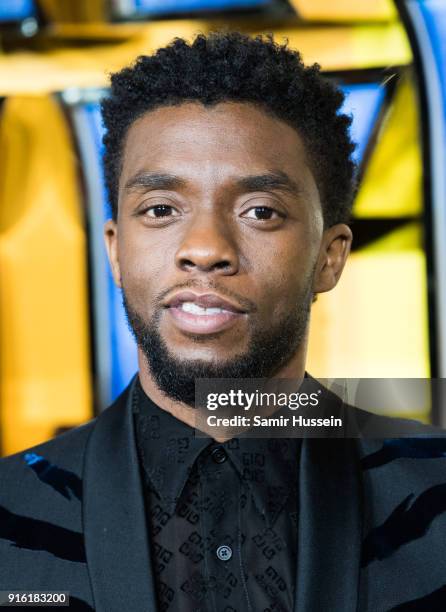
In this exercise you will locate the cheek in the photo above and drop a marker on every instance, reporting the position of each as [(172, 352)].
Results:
[(281, 275), (142, 267)]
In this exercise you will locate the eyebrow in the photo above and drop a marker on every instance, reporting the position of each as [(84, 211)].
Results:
[(154, 180), (268, 181)]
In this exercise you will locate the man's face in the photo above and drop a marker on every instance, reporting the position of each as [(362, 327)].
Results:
[(217, 245)]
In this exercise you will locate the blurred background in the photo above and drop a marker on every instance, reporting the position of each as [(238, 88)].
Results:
[(65, 351)]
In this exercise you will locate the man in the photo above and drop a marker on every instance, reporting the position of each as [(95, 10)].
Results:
[(229, 173)]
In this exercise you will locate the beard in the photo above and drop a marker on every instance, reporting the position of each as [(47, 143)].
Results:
[(268, 350)]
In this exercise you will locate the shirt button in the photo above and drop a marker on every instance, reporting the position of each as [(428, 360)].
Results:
[(219, 454), (224, 553)]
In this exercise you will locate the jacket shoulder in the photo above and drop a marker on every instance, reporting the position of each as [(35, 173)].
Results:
[(371, 425), (67, 447), (40, 512), (405, 451), (66, 451), (45, 481)]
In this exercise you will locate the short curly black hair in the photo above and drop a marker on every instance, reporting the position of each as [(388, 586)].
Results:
[(230, 66)]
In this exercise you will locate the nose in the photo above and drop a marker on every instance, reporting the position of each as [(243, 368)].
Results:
[(208, 246)]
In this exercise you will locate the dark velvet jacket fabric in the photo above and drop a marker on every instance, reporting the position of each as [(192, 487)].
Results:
[(371, 528)]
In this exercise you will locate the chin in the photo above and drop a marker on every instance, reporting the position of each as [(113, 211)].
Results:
[(203, 356), (205, 346)]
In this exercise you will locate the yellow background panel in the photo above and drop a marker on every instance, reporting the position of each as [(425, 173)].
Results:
[(407, 237), (344, 10), (334, 48), (392, 183), (44, 367), (78, 11), (374, 323), (91, 10), (401, 397), (349, 48)]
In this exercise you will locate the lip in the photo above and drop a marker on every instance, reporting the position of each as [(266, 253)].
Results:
[(205, 300), (203, 324)]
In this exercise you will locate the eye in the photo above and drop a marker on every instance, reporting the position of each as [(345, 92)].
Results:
[(159, 211), (262, 213)]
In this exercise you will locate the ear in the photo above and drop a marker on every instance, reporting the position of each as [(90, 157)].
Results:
[(335, 248), (111, 245)]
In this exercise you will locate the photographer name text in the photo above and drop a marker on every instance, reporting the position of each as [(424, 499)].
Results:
[(282, 421)]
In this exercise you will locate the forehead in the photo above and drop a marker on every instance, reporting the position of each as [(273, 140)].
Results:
[(228, 136)]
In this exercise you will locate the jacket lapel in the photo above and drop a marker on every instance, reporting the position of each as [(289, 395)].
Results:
[(329, 532), (116, 539)]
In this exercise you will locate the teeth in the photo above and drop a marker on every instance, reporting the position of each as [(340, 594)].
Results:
[(195, 309)]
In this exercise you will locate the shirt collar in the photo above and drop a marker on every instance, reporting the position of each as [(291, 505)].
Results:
[(168, 450)]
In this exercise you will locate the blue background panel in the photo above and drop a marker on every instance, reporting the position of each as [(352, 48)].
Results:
[(147, 7), (363, 101), (16, 10), (434, 13), (123, 360)]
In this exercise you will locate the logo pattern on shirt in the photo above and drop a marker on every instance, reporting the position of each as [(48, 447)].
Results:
[(203, 497)]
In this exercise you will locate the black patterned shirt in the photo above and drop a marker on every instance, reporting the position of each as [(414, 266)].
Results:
[(222, 517)]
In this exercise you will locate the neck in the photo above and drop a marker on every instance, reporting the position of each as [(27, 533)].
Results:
[(294, 369)]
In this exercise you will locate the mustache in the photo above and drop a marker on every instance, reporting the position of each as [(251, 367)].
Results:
[(244, 302)]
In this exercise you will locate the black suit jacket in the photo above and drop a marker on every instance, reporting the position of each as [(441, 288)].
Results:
[(371, 531)]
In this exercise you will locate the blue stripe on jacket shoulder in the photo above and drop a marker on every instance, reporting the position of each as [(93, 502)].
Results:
[(61, 480)]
